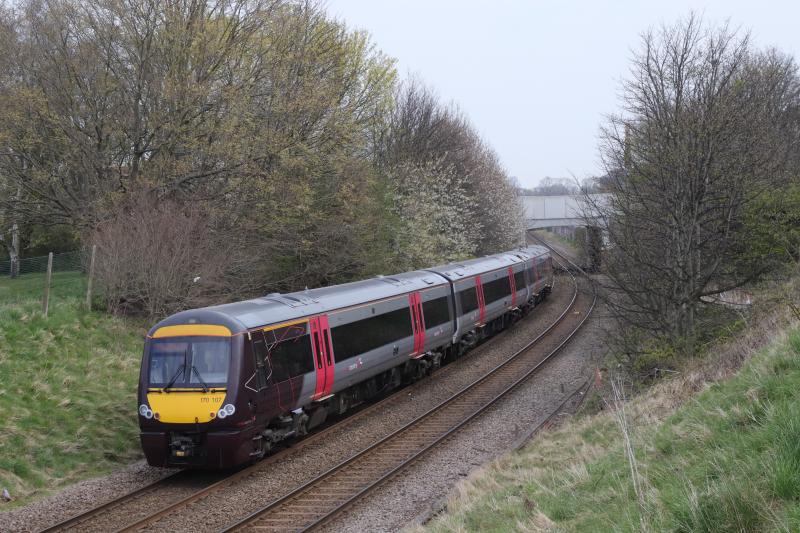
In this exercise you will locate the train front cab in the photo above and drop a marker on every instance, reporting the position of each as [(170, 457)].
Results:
[(188, 410)]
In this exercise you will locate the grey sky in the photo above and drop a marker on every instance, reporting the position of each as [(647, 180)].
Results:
[(536, 77)]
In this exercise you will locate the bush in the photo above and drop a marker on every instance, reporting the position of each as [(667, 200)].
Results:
[(155, 258)]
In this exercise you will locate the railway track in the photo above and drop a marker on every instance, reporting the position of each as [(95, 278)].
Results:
[(79, 521), (130, 504), (318, 501), (205, 484)]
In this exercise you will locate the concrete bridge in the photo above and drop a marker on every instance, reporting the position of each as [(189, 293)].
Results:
[(557, 211), (569, 215)]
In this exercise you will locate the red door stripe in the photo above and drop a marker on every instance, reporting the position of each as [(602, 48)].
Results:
[(413, 310), (321, 348), (319, 358), (421, 320), (513, 286), (481, 302), (330, 363)]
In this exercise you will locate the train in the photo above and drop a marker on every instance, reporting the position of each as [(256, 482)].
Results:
[(225, 385)]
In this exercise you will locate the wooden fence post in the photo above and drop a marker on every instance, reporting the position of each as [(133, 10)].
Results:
[(46, 303), (91, 276)]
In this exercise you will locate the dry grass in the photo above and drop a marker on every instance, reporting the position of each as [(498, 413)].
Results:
[(704, 443)]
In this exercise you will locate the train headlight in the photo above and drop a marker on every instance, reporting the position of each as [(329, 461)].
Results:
[(145, 411), (227, 410)]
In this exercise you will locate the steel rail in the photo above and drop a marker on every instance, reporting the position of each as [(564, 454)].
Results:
[(385, 444), (165, 482), (450, 433), (85, 516)]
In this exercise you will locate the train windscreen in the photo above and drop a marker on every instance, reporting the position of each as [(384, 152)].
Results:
[(189, 362)]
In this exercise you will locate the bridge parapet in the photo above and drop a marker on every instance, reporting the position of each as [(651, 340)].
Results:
[(561, 210)]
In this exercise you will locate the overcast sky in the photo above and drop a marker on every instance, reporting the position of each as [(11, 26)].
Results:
[(536, 78)]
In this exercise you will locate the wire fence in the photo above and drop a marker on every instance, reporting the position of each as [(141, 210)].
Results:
[(65, 262), (64, 276)]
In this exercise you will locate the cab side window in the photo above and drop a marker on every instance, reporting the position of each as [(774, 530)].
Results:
[(288, 352), (260, 352)]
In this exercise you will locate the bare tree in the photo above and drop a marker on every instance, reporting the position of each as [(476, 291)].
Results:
[(701, 135), (154, 258)]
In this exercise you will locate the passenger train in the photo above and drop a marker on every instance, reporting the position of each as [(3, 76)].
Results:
[(223, 385)]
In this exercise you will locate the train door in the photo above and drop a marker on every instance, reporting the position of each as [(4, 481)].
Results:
[(322, 349), (417, 323), (258, 383), (513, 284), (481, 301)]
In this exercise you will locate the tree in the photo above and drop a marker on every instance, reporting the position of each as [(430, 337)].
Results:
[(703, 134), (554, 186), (433, 142), (435, 215), (108, 96), (278, 123)]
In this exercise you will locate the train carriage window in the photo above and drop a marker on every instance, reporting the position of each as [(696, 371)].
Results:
[(531, 275), (519, 280), (436, 312), (361, 336), (468, 299), (497, 289)]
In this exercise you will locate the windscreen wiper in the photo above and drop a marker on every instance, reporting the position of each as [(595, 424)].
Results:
[(175, 377), (203, 383)]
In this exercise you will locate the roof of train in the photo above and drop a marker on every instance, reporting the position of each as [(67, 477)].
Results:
[(472, 267), (276, 308)]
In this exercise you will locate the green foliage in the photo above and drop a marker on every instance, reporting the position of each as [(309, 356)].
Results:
[(729, 460), (42, 240), (67, 387), (266, 115), (773, 227)]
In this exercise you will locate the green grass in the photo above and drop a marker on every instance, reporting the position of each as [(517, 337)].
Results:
[(67, 387), (567, 242), (727, 460)]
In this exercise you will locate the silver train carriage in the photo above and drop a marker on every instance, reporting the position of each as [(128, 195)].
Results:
[(222, 385)]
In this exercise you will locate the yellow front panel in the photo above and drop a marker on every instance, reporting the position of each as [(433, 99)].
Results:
[(188, 330), (186, 407)]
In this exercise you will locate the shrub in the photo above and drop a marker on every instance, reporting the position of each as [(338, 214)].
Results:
[(156, 257)]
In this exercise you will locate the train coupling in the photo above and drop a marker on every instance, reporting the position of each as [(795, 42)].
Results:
[(184, 446)]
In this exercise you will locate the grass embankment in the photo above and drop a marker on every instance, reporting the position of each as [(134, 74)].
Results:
[(569, 244), (724, 459), (67, 387)]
